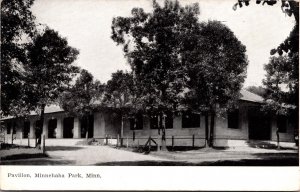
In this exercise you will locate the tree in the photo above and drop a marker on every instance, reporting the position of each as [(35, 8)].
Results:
[(120, 96), (17, 29), (258, 90), (81, 98), (216, 71), (51, 70), (280, 85), (290, 48), (154, 43)]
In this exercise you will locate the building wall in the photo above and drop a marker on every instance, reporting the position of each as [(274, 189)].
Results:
[(288, 136), (112, 124), (223, 133), (182, 136), (109, 124)]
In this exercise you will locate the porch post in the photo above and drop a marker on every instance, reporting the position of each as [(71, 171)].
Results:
[(31, 129), (59, 128), (45, 127), (76, 129)]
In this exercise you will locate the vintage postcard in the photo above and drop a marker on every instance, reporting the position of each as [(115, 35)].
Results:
[(149, 95)]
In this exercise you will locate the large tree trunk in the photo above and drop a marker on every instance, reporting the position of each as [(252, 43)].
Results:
[(206, 130), (87, 127), (12, 131), (41, 124), (122, 130), (158, 130), (163, 131), (212, 127), (278, 139)]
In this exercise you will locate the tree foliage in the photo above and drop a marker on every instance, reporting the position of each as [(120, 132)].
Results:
[(289, 7), (81, 98), (119, 92), (153, 43), (17, 28), (51, 69), (280, 84), (174, 58), (216, 67), (287, 53)]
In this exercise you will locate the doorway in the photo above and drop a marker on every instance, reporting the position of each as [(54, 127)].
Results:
[(85, 127), (259, 125), (68, 127), (26, 129), (52, 124)]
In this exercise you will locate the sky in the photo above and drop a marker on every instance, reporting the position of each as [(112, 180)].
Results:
[(87, 26)]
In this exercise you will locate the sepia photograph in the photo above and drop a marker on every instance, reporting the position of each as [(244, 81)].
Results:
[(111, 84)]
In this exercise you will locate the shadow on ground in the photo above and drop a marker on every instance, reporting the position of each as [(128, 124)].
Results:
[(254, 162), (62, 148), (23, 156), (242, 162), (146, 150), (266, 145), (40, 161)]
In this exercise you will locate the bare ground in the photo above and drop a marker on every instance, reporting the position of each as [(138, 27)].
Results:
[(106, 155)]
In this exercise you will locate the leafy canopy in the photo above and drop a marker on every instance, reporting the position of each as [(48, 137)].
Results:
[(216, 67), (51, 69), (17, 29), (153, 44), (82, 98), (119, 92)]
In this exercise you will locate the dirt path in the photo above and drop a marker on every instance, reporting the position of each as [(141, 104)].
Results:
[(106, 155), (91, 155)]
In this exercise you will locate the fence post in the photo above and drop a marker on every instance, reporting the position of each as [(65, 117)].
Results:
[(35, 141), (106, 140), (44, 144), (21, 138), (172, 143), (126, 142), (149, 144), (28, 140), (193, 140), (118, 140)]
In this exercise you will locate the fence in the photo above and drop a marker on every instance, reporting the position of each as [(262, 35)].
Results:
[(192, 141)]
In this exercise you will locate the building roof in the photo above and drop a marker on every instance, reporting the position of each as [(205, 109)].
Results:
[(245, 96), (248, 96), (48, 109)]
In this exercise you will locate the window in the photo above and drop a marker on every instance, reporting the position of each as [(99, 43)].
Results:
[(233, 119), (154, 121), (138, 120), (26, 129), (11, 126), (8, 128), (190, 120), (281, 123)]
